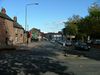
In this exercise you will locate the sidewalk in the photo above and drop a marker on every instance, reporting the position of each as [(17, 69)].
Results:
[(32, 44), (7, 47), (26, 46)]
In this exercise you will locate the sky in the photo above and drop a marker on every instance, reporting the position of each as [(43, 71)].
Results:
[(48, 15)]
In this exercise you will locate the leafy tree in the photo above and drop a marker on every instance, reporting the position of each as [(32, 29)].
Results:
[(84, 27), (90, 25), (71, 25), (94, 14)]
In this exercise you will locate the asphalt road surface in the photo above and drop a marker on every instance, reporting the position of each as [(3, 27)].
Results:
[(45, 58)]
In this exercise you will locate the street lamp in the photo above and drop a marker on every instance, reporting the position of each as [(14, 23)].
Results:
[(26, 26)]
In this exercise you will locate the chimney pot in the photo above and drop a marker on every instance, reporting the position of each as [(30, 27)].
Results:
[(3, 10), (15, 19)]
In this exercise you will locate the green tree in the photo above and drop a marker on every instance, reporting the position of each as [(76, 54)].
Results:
[(84, 27), (71, 25), (90, 25), (94, 14)]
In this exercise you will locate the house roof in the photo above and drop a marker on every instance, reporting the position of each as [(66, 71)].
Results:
[(17, 25), (5, 16), (35, 29)]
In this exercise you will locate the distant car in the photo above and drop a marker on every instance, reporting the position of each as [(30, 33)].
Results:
[(64, 42), (52, 41), (96, 42), (68, 43), (82, 46), (89, 41)]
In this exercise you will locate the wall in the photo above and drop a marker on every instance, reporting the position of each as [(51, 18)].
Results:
[(3, 34), (19, 35), (10, 30)]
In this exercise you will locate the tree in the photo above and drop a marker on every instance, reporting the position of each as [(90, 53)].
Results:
[(84, 27), (94, 14), (71, 25), (94, 10), (90, 25)]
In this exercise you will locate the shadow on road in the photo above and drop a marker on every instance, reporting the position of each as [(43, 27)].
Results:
[(92, 54), (25, 62)]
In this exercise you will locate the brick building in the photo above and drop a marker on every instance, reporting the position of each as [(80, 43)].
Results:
[(3, 34), (19, 32), (6, 28), (11, 32)]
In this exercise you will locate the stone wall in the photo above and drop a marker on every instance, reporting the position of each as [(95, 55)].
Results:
[(19, 35), (10, 30)]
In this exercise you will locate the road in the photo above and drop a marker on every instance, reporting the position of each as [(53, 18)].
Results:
[(45, 58)]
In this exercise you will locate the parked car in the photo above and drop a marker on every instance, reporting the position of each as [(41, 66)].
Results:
[(52, 41), (82, 46), (96, 42), (62, 42), (68, 43)]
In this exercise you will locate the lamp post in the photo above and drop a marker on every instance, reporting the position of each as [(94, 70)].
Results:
[(26, 25)]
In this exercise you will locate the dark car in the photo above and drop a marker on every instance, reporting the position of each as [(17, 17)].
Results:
[(96, 42), (82, 46)]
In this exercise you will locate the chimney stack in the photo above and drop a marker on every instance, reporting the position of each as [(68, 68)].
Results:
[(3, 11), (15, 19)]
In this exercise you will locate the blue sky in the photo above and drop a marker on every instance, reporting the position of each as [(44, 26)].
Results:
[(49, 15)]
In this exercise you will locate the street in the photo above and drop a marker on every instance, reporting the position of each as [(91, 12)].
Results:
[(45, 58)]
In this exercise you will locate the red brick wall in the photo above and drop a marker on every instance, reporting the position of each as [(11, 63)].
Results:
[(10, 29), (3, 33)]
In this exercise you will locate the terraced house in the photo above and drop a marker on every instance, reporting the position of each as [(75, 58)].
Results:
[(3, 34), (19, 32), (11, 32), (35, 34), (6, 28)]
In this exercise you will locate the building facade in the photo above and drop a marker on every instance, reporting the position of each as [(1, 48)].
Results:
[(3, 34), (11, 32), (7, 25), (18, 32), (54, 36), (35, 34)]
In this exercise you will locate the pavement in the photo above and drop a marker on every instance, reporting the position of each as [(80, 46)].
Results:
[(46, 58)]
